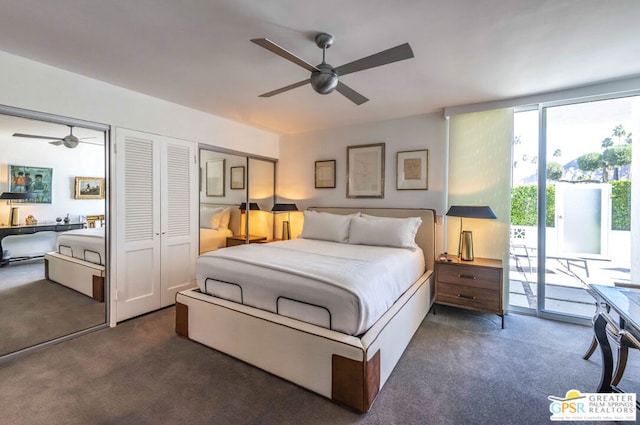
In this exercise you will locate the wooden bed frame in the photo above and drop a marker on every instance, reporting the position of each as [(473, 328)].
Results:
[(82, 276), (349, 370)]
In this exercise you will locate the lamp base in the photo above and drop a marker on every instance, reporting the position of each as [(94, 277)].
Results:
[(466, 246), (14, 216), (286, 231)]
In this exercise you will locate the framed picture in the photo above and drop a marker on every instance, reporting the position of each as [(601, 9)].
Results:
[(89, 188), (412, 170), (365, 171), (326, 174), (237, 177), (215, 177), (32, 179)]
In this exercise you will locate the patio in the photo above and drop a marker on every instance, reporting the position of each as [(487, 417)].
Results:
[(566, 281)]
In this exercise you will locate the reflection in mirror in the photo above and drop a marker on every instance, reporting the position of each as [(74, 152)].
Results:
[(222, 190), (46, 294), (261, 191), (225, 180)]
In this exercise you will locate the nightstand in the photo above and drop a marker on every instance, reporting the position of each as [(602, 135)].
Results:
[(474, 285), (241, 240)]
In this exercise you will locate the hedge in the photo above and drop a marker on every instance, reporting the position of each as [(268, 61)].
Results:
[(620, 204), (524, 205)]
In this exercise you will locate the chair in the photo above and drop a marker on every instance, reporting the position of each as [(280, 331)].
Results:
[(621, 338), (91, 220)]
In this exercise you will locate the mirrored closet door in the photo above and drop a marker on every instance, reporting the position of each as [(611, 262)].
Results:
[(53, 215), (236, 198)]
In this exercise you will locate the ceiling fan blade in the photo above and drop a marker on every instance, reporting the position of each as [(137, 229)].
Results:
[(33, 136), (351, 94), (391, 55), (284, 89), (83, 140), (274, 48), (56, 143)]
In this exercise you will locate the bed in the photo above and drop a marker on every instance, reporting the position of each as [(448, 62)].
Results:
[(307, 340), (217, 222), (79, 261)]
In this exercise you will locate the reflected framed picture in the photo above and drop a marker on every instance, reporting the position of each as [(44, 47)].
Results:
[(365, 171), (326, 174), (89, 188), (237, 177), (412, 170), (36, 180), (215, 177)]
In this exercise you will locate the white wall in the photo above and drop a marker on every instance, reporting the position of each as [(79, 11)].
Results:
[(35, 86), (298, 153)]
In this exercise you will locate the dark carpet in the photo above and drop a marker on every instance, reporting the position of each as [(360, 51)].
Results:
[(460, 368), (42, 310)]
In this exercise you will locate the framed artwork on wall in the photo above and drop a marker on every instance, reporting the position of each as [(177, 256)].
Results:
[(412, 170), (365, 171), (36, 180), (215, 177), (326, 174), (89, 188), (237, 177)]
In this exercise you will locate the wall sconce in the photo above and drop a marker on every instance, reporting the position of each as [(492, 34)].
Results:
[(286, 227), (465, 244), (13, 197)]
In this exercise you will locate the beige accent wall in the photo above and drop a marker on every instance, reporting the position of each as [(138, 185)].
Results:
[(480, 174)]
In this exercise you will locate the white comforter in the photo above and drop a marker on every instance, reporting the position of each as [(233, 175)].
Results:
[(355, 283), (84, 244)]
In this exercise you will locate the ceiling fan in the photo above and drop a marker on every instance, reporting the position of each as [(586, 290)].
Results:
[(324, 77), (70, 141)]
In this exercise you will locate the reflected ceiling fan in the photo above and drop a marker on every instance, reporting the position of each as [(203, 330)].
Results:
[(325, 78), (70, 141)]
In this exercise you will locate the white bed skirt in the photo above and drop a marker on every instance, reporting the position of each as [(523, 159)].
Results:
[(347, 369)]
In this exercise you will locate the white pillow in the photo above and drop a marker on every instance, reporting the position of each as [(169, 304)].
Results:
[(224, 218), (384, 231), (326, 226), (210, 217)]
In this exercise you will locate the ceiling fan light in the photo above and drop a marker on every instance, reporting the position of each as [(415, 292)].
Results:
[(325, 80), (70, 141)]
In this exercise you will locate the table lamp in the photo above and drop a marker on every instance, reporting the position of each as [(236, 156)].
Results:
[(465, 244), (286, 228), (253, 206), (12, 197)]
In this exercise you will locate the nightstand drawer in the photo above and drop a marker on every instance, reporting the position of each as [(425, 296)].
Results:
[(468, 296), (474, 276)]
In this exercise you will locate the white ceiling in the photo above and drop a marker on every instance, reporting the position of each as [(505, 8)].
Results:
[(197, 52)]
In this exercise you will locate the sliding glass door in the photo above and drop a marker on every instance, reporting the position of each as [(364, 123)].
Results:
[(571, 204)]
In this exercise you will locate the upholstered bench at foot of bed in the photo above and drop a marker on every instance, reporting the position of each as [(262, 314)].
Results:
[(346, 369), (82, 276)]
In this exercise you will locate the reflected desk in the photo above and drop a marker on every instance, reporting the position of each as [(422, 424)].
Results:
[(24, 230), (626, 303)]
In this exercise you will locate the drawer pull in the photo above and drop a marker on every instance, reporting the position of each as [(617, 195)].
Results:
[(467, 276), (468, 297)]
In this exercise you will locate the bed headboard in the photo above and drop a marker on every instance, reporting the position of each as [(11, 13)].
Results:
[(234, 221), (425, 238)]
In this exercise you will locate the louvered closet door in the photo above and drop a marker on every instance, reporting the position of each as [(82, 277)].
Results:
[(138, 226), (179, 222)]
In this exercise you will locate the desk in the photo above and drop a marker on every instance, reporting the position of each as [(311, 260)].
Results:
[(626, 303), (24, 229)]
